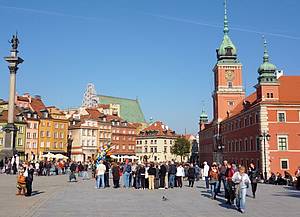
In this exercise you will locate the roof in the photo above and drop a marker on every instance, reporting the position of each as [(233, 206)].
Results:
[(158, 128), (288, 89), (37, 105), (130, 109)]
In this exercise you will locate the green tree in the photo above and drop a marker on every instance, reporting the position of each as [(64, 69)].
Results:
[(181, 147)]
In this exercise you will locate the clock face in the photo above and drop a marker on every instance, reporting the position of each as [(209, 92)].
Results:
[(229, 75)]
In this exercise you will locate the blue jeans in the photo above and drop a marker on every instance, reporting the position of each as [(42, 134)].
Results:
[(171, 180), (214, 189), (126, 179), (222, 180), (241, 198), (206, 181), (100, 181)]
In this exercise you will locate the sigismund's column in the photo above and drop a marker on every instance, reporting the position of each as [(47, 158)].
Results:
[(10, 129)]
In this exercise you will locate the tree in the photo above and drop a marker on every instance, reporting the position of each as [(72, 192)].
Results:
[(181, 147)]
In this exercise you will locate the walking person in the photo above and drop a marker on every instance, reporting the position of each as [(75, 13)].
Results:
[(230, 188), (191, 175), (213, 180), (253, 176), (222, 177), (179, 175), (206, 174), (100, 171), (115, 170), (242, 182), (151, 176)]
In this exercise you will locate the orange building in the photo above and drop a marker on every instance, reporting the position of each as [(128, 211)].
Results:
[(262, 128)]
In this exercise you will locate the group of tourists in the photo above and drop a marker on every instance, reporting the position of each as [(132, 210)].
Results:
[(235, 180), (146, 175)]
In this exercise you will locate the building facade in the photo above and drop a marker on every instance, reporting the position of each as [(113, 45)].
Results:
[(154, 143), (263, 127)]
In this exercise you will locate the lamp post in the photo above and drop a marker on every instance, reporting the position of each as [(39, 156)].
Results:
[(265, 137), (220, 148)]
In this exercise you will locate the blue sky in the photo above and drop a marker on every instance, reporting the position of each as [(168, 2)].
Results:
[(161, 51)]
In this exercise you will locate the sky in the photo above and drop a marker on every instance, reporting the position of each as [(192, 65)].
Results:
[(160, 51)]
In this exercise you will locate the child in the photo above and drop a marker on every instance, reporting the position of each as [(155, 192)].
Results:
[(21, 183)]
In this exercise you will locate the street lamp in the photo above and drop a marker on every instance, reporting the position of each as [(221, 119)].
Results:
[(263, 137)]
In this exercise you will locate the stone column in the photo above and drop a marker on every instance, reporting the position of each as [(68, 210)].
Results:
[(10, 129)]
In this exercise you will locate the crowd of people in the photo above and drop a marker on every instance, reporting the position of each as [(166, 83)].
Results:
[(149, 175)]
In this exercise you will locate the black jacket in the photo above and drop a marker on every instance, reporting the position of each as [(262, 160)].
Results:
[(172, 169), (152, 171), (163, 170)]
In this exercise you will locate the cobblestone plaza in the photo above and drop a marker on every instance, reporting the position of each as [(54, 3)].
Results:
[(55, 196)]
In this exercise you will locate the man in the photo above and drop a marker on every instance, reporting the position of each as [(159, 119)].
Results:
[(29, 179), (162, 174), (172, 173), (222, 177), (100, 171), (72, 169), (206, 174), (106, 174), (127, 172)]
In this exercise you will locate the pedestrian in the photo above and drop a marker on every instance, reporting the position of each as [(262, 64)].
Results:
[(179, 175), (191, 173), (100, 171), (29, 179), (141, 176), (21, 183), (115, 170), (230, 188), (126, 174), (222, 177), (242, 182), (206, 174), (197, 172), (213, 180), (297, 174), (172, 173), (253, 176), (151, 176), (72, 175), (162, 175), (106, 174)]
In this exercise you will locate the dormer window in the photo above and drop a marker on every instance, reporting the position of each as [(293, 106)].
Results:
[(228, 51), (28, 115), (35, 116)]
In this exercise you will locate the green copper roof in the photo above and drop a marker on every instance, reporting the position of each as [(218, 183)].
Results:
[(203, 116), (227, 49), (266, 70), (130, 109)]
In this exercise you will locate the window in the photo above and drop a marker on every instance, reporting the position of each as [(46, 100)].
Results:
[(257, 144), (229, 84), (20, 141), (145, 142), (170, 142), (282, 143), (165, 149), (284, 164), (48, 134), (42, 134), (28, 135), (56, 125), (48, 144), (165, 142), (230, 103), (21, 129), (55, 135), (146, 149), (60, 145), (281, 116), (1, 141), (34, 136), (42, 144), (155, 141), (151, 142), (123, 145)]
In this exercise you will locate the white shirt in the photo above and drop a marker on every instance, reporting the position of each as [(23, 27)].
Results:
[(243, 180), (180, 171), (101, 168), (205, 170)]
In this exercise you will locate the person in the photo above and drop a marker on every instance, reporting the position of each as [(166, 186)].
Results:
[(126, 174), (106, 174), (101, 168), (206, 174), (115, 170), (191, 173), (151, 176), (21, 183), (230, 188), (72, 175), (29, 179), (85, 174), (213, 180), (242, 181), (288, 177), (253, 176), (179, 175), (297, 174), (162, 175), (172, 173), (141, 176), (222, 177), (197, 172)]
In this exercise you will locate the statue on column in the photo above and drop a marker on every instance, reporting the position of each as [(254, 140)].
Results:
[(14, 42)]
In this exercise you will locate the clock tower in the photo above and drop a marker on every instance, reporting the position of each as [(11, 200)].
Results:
[(228, 89)]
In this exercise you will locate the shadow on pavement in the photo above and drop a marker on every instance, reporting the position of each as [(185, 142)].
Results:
[(34, 193), (288, 194)]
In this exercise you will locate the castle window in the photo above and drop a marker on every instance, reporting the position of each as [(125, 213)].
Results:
[(282, 143), (281, 116), (229, 84), (230, 103), (284, 164)]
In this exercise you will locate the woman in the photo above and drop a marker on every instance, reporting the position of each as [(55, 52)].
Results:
[(115, 170), (214, 179), (230, 189), (21, 183), (253, 176), (242, 181), (179, 175), (191, 173)]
